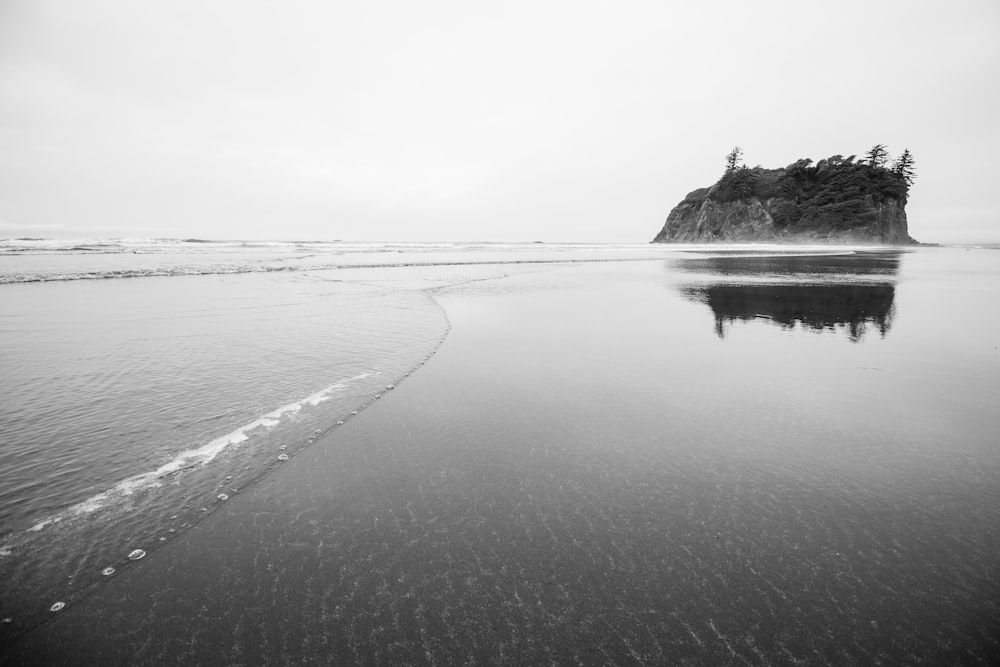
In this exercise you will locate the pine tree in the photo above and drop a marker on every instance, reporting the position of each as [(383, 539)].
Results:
[(903, 166), (878, 156), (733, 159)]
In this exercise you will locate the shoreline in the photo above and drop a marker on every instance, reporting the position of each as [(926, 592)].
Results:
[(29, 619), (547, 489)]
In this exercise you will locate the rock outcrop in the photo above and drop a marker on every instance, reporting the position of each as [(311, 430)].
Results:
[(835, 201)]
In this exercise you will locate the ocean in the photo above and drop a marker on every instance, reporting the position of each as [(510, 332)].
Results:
[(144, 380), (502, 452)]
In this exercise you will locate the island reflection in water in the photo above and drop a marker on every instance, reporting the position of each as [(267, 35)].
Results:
[(851, 292)]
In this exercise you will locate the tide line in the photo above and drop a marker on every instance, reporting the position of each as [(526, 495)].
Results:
[(192, 458)]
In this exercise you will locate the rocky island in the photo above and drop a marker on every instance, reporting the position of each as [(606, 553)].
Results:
[(836, 200)]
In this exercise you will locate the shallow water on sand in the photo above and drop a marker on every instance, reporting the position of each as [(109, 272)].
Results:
[(133, 409), (728, 458), (723, 456)]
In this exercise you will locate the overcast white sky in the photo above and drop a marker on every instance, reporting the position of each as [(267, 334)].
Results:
[(575, 121)]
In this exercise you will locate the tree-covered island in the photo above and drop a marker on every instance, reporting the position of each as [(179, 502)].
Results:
[(836, 200)]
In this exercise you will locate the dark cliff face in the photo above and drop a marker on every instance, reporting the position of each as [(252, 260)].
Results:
[(837, 201)]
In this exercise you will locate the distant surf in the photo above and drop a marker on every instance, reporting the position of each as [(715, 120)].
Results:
[(48, 260)]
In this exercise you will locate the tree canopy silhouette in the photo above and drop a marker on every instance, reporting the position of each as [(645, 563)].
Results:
[(877, 155), (903, 166), (835, 193), (733, 159)]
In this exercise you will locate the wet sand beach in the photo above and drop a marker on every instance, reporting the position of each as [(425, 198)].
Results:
[(607, 464)]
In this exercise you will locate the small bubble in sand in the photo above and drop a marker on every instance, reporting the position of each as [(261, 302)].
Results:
[(137, 554), (378, 395), (354, 412), (222, 496), (173, 518), (283, 457), (57, 606), (391, 386), (317, 432), (228, 477), (283, 447), (108, 571)]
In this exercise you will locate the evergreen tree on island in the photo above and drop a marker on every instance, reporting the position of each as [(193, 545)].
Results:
[(878, 155), (733, 159), (903, 167)]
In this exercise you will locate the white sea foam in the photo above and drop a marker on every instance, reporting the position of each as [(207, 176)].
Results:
[(45, 260), (194, 457)]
